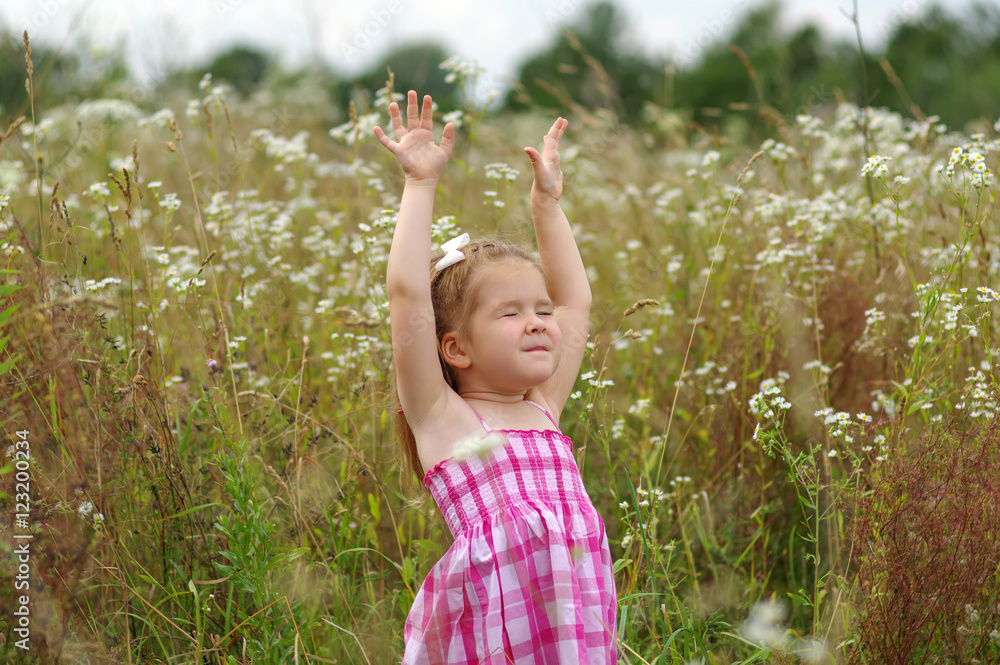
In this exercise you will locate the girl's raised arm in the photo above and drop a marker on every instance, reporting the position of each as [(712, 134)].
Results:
[(565, 275), (419, 380)]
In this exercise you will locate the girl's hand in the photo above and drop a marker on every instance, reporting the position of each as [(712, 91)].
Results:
[(545, 166), (414, 146)]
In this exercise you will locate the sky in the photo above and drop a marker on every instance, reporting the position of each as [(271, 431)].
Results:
[(352, 35)]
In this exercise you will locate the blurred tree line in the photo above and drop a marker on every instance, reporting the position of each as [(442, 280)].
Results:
[(933, 63)]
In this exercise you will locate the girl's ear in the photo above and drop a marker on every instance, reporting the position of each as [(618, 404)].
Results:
[(453, 351)]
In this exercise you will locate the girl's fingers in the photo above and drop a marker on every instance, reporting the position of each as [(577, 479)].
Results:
[(412, 116), (550, 141), (538, 160), (385, 140), (427, 114), (448, 138), (551, 151), (397, 121), (557, 129), (541, 160)]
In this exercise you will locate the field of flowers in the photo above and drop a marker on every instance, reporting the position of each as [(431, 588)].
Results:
[(788, 415)]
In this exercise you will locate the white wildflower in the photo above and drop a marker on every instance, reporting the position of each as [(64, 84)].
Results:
[(477, 446), (763, 626), (876, 166), (85, 508)]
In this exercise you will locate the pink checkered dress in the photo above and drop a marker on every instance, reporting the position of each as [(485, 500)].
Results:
[(528, 578)]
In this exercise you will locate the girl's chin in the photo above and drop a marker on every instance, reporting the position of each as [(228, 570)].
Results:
[(542, 377)]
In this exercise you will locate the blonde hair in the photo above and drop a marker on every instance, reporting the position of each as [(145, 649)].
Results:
[(454, 292)]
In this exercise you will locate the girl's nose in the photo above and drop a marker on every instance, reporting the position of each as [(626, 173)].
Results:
[(536, 324)]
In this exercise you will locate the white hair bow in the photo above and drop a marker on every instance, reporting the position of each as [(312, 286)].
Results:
[(452, 253)]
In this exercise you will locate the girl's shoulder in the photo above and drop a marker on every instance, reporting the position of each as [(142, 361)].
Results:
[(437, 431), (537, 399)]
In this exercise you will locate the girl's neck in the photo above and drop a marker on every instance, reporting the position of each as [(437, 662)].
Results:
[(493, 397)]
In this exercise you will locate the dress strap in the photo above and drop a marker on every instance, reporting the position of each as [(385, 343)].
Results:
[(534, 404), (483, 422), (543, 410)]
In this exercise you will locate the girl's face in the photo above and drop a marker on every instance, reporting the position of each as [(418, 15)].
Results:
[(512, 338)]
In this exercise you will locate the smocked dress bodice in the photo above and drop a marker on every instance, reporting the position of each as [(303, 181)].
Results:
[(528, 578)]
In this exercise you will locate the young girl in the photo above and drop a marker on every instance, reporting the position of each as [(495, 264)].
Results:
[(489, 340)]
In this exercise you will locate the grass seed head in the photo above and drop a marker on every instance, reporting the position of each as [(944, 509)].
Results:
[(27, 58), (636, 306)]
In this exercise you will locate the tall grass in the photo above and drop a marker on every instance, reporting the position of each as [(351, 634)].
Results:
[(195, 335)]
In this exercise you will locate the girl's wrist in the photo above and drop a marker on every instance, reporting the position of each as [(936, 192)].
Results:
[(421, 182), (540, 199)]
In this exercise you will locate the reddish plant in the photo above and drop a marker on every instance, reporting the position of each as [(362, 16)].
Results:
[(929, 539)]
